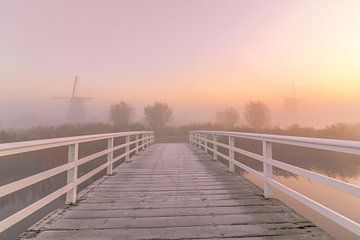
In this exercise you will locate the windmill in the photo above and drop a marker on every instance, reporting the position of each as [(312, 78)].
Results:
[(77, 113), (291, 106)]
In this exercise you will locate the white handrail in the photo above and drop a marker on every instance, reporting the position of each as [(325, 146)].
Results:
[(345, 146), (200, 139), (28, 146), (142, 140)]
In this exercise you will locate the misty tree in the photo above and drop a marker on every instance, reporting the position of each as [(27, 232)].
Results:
[(157, 115), (121, 114), (257, 114), (228, 117)]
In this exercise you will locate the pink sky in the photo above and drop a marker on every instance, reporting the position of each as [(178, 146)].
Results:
[(198, 56)]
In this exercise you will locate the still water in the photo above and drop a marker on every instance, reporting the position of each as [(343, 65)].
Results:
[(18, 166), (340, 166), (342, 203)]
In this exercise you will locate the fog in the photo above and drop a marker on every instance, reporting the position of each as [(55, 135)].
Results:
[(198, 57), (203, 63), (16, 113)]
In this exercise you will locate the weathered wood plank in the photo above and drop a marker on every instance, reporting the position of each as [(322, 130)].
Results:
[(173, 192), (177, 221)]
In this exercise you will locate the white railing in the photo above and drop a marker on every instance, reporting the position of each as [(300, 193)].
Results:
[(142, 140), (201, 139)]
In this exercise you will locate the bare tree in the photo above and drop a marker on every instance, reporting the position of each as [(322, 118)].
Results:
[(228, 117), (157, 115), (257, 114), (121, 114)]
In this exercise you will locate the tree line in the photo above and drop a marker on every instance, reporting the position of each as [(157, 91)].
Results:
[(156, 116), (256, 114)]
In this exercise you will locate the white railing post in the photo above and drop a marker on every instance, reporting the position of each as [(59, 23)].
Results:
[(137, 144), (109, 156), (202, 142), (214, 147), (143, 141), (267, 168), (127, 149), (146, 140), (199, 141), (73, 155), (231, 154), (205, 143)]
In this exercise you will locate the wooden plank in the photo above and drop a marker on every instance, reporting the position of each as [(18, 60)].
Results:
[(173, 192)]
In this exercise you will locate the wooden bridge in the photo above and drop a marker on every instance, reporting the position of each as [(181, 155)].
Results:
[(173, 191)]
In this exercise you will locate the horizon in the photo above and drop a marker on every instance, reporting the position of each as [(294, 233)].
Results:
[(199, 57)]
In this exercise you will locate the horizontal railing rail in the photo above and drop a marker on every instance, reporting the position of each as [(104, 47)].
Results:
[(142, 140), (201, 139)]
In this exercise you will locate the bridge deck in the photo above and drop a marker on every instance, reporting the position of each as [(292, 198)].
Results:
[(174, 192)]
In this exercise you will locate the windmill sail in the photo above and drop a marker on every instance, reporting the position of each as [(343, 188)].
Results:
[(77, 110), (291, 107)]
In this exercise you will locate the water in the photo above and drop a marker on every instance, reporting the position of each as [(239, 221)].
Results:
[(15, 167), (345, 167), (340, 202), (341, 166)]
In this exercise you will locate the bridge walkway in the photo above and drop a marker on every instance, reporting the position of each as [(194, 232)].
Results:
[(172, 191)]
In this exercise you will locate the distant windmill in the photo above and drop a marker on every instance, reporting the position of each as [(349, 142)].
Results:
[(291, 106), (77, 113)]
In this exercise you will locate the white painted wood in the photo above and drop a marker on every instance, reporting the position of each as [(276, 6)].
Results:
[(119, 157), (91, 157), (199, 141), (345, 146), (18, 216), (328, 181), (343, 221), (197, 204), (29, 146), (143, 141), (127, 148), (201, 145), (205, 144), (249, 154), (73, 153), (28, 181), (214, 146), (92, 173), (352, 147), (219, 144), (342, 186), (267, 168), (231, 154), (137, 144), (109, 156), (71, 167)]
